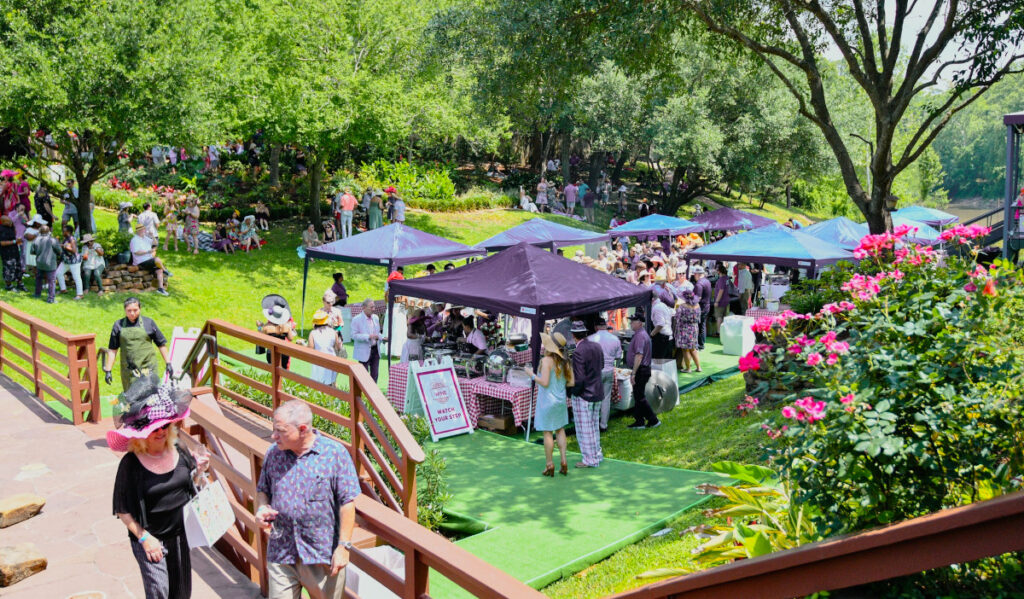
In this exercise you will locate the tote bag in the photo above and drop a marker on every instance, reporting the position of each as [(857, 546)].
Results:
[(208, 515)]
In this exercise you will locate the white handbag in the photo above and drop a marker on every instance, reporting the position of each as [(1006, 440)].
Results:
[(208, 515)]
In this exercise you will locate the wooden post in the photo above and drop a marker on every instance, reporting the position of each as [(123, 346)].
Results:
[(92, 368), (260, 569), (33, 337), (275, 376), (416, 575), (409, 486), (1, 340), (355, 413), (74, 383)]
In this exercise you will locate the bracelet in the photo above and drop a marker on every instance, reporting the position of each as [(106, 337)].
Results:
[(145, 535)]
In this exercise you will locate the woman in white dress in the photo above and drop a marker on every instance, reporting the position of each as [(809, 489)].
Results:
[(324, 338), (417, 331)]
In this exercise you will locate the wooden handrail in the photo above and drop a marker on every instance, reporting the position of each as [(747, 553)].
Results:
[(78, 355), (946, 537), (423, 550), (367, 404)]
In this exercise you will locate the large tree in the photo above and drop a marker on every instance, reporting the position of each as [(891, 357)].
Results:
[(935, 58), (102, 77)]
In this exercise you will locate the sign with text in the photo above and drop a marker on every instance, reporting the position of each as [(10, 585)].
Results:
[(436, 387)]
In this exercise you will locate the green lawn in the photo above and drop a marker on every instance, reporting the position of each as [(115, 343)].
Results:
[(216, 285), (774, 211), (704, 428)]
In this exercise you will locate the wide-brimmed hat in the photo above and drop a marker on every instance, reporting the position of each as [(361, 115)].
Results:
[(467, 312), (275, 309), (249, 217), (139, 226), (124, 205), (145, 407), (578, 327), (87, 238), (697, 270), (37, 220), (320, 317), (553, 343)]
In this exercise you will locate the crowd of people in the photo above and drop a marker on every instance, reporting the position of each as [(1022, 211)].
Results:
[(348, 215), (563, 199)]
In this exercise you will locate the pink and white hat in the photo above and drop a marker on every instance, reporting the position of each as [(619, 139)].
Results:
[(145, 407)]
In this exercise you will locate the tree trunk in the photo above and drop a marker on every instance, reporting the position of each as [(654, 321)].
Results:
[(275, 164), (314, 189), (566, 147), (596, 162), (549, 138), (617, 173), (85, 224), (789, 194), (877, 214)]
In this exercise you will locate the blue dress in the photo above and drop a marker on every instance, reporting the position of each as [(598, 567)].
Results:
[(552, 411)]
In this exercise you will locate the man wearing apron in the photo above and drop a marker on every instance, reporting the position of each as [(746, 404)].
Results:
[(134, 336)]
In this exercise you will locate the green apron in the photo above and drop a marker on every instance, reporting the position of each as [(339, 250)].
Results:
[(136, 353)]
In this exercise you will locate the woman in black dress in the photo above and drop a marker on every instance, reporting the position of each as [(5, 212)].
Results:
[(155, 479)]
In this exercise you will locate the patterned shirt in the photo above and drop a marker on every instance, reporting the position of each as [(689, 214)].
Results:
[(307, 491)]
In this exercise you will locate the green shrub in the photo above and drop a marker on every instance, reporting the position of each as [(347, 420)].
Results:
[(905, 400), (420, 186), (113, 241)]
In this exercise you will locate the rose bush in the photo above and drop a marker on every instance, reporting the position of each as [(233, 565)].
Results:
[(903, 398)]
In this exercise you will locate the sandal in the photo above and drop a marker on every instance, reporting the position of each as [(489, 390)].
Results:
[(564, 470), (549, 471)]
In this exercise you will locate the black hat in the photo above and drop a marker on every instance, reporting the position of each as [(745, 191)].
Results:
[(638, 316)]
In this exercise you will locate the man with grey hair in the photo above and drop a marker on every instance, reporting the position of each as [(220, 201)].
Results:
[(366, 339), (304, 496)]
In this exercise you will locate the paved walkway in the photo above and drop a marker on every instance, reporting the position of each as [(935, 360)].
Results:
[(85, 545)]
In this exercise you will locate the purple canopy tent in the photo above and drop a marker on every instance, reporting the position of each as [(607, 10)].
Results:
[(774, 244), (529, 282), (729, 219), (390, 246), (541, 233)]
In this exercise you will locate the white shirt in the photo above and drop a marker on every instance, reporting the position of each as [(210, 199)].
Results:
[(140, 244), (151, 221), (662, 316), (746, 281), (399, 214), (476, 339), (611, 347)]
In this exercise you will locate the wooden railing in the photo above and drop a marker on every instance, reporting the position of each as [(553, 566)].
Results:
[(230, 445), (953, 536), (384, 451), (28, 343)]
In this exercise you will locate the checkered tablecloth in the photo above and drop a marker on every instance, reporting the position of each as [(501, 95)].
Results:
[(522, 399), (398, 378), (759, 312), (522, 358)]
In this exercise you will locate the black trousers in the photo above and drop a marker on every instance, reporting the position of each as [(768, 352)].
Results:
[(642, 410), (702, 327), (372, 364)]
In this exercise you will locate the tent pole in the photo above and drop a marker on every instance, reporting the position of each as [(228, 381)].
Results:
[(391, 319), (535, 325), (302, 315)]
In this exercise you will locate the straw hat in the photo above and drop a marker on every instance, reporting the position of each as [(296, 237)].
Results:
[(553, 343), (87, 238), (320, 317)]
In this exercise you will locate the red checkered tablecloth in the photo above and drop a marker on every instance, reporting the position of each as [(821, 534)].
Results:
[(522, 358), (522, 399), (759, 312)]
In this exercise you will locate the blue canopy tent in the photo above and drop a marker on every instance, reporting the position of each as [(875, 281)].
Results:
[(541, 233), (658, 225), (925, 233), (839, 231), (390, 246), (774, 244), (928, 216)]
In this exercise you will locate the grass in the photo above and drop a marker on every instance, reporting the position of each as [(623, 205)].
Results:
[(230, 287), (752, 205), (704, 428)]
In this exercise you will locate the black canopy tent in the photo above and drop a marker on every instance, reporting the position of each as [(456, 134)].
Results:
[(529, 282)]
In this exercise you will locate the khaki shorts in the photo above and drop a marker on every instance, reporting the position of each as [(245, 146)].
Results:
[(287, 580)]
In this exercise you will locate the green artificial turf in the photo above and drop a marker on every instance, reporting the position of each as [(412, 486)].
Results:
[(540, 529)]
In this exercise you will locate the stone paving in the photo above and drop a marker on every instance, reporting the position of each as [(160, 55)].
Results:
[(86, 546)]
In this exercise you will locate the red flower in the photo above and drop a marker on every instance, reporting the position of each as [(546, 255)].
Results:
[(990, 288)]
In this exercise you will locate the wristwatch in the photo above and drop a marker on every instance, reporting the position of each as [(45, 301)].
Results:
[(346, 544)]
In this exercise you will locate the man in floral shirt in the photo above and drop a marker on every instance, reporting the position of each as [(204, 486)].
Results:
[(305, 495)]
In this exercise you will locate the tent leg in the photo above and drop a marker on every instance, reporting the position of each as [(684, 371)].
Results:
[(391, 325), (535, 326), (302, 315)]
